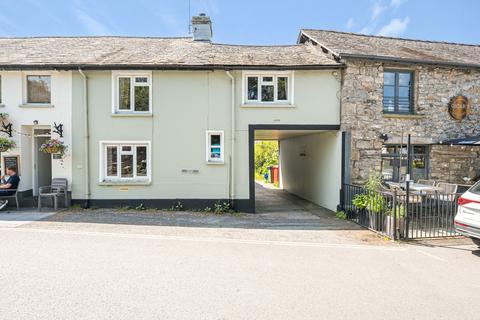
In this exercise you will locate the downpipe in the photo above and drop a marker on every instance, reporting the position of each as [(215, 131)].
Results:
[(87, 140), (232, 135)]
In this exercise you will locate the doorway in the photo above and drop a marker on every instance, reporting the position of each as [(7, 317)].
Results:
[(42, 164)]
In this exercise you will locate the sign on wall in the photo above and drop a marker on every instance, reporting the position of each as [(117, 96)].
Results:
[(11, 161), (459, 107)]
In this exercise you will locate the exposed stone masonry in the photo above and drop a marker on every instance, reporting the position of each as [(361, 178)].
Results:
[(362, 115)]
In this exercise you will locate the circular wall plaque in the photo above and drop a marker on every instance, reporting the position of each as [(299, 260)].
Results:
[(459, 107)]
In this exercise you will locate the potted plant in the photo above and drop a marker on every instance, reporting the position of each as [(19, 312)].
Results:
[(6, 144), (3, 116), (54, 146), (377, 205), (360, 201), (400, 223)]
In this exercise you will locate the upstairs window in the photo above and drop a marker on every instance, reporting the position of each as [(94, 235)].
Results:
[(38, 89), (215, 147), (267, 88), (133, 93), (398, 92)]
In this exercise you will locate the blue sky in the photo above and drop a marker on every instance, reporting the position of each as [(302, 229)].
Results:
[(244, 21)]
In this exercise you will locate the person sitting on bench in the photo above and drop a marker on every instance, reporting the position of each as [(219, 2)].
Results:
[(11, 183)]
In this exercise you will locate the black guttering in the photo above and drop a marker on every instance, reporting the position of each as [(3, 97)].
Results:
[(168, 67)]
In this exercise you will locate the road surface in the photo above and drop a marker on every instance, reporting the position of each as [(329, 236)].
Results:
[(71, 266)]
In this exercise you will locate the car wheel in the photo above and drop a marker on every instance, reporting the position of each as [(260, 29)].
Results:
[(476, 241)]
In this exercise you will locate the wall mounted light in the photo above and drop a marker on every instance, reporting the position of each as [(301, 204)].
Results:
[(383, 136), (35, 122)]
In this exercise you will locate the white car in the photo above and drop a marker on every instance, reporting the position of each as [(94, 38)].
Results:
[(467, 220)]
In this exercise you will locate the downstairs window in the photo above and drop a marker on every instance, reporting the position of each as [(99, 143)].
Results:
[(394, 162), (215, 147), (125, 162)]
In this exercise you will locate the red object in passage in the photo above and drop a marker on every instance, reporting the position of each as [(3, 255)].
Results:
[(275, 174)]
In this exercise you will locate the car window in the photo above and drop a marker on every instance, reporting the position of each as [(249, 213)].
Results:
[(476, 188)]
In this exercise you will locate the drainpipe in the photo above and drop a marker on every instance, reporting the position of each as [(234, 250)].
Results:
[(87, 139), (232, 134)]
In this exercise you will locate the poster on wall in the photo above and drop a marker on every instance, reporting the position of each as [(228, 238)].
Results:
[(11, 161)]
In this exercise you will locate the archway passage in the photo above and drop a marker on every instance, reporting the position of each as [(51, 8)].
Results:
[(309, 168)]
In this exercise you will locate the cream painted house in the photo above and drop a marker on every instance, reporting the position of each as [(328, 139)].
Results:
[(161, 120)]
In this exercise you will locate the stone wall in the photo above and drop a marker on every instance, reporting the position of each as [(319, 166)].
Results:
[(362, 115), (453, 163)]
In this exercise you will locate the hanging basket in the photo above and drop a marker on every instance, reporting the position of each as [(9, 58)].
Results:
[(6, 144), (51, 150), (53, 146)]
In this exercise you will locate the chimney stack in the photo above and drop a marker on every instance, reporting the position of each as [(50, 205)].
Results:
[(202, 27)]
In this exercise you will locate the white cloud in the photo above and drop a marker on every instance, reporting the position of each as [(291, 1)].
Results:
[(377, 9), (350, 23), (395, 27), (92, 25), (396, 3)]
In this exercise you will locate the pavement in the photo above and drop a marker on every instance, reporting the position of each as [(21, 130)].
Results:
[(294, 262), (13, 219)]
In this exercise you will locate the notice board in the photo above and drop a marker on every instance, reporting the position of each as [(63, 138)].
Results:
[(11, 161)]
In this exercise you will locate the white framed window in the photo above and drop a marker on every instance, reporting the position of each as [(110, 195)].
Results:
[(132, 92), (1, 89), (215, 147), (38, 89), (128, 161), (268, 88)]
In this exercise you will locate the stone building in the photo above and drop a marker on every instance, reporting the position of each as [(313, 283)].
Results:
[(393, 87)]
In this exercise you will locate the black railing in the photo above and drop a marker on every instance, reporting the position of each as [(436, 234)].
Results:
[(377, 211), (397, 105), (431, 215), (398, 216)]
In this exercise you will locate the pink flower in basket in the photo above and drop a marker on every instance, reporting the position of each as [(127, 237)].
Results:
[(54, 146)]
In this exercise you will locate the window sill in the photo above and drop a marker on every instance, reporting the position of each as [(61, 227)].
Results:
[(125, 183), (36, 105), (134, 115), (216, 162), (403, 116), (267, 105)]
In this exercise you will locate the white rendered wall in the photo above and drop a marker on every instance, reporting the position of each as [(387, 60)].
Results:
[(311, 167), (23, 117)]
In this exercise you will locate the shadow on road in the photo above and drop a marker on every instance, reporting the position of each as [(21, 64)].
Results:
[(276, 209), (456, 243)]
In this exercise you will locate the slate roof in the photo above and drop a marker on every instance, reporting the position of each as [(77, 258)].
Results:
[(346, 45), (151, 52)]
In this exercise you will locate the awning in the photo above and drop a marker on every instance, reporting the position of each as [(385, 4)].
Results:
[(467, 141)]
